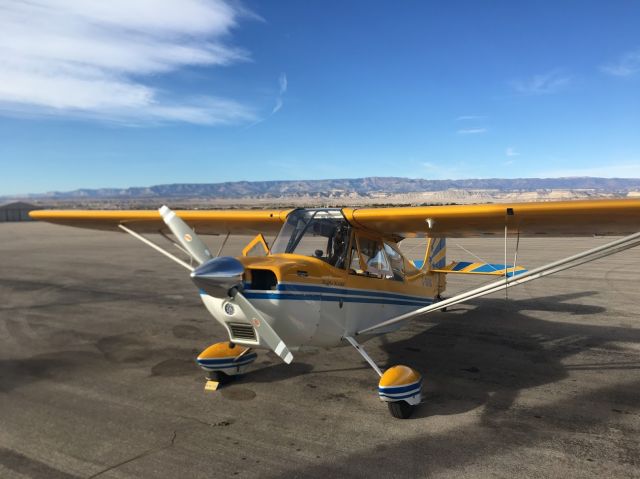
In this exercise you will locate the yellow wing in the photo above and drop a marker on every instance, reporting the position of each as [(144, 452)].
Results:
[(562, 218), (202, 221)]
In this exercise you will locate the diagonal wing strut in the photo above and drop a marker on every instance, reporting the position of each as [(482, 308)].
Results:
[(555, 267)]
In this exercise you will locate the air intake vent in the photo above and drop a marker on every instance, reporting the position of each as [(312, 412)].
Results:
[(264, 279), (242, 331)]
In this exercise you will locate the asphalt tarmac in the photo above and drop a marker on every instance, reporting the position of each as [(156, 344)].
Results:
[(98, 335)]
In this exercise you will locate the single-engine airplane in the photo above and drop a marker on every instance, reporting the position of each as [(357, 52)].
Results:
[(334, 277)]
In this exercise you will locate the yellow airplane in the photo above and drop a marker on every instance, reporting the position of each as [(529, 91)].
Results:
[(334, 275)]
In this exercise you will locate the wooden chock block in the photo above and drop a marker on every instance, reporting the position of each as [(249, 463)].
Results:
[(211, 385)]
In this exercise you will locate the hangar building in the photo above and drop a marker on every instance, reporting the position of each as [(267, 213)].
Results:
[(16, 211)]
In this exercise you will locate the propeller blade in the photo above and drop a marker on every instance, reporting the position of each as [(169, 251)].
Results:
[(186, 236), (265, 332)]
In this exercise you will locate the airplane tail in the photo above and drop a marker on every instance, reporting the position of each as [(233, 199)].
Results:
[(437, 253), (494, 269)]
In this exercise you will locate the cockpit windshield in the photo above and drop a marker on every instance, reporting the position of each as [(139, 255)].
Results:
[(322, 234)]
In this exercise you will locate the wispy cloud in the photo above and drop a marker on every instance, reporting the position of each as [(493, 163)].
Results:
[(511, 151), (627, 65), (472, 131), (470, 117), (283, 85), (95, 59), (543, 84)]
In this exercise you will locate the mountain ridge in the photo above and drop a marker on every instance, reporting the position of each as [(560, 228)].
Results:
[(343, 187)]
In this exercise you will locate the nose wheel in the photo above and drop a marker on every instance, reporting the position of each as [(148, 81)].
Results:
[(223, 361), (220, 377)]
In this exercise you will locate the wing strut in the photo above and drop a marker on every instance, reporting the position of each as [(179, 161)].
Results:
[(155, 246), (554, 267)]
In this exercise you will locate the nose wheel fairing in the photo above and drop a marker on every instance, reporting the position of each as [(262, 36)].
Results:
[(227, 358)]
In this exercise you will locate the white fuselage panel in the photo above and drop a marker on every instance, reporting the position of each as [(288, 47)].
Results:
[(316, 316)]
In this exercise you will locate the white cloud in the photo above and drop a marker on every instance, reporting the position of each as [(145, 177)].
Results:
[(627, 65), (471, 131), (277, 106), (283, 84), (543, 84), (511, 151), (90, 58)]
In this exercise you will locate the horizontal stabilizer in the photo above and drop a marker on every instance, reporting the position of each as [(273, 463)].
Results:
[(466, 267)]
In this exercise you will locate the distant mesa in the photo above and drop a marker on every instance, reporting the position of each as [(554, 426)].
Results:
[(370, 190)]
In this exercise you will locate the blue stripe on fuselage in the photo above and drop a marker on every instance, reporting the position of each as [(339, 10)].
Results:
[(344, 291), (318, 297)]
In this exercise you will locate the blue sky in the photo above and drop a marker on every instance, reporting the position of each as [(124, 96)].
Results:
[(127, 93)]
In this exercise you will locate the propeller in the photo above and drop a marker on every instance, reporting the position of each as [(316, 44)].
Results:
[(221, 277), (186, 236)]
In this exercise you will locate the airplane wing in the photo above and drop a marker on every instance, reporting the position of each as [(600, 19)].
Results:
[(560, 218), (204, 222)]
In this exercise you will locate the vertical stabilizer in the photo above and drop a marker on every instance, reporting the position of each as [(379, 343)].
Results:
[(436, 253)]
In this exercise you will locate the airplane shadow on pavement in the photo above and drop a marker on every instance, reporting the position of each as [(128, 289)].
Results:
[(486, 355), (484, 358)]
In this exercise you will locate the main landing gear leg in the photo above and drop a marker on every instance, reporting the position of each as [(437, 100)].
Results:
[(438, 299), (400, 386)]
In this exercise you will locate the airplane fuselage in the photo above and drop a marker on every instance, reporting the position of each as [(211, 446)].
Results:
[(311, 303)]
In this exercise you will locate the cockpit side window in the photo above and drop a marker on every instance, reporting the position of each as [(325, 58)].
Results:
[(374, 258), (396, 261)]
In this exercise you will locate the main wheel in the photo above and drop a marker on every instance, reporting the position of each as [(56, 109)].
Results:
[(220, 377), (400, 409)]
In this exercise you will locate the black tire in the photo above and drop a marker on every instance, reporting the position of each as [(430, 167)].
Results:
[(220, 377), (438, 299), (400, 409)]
